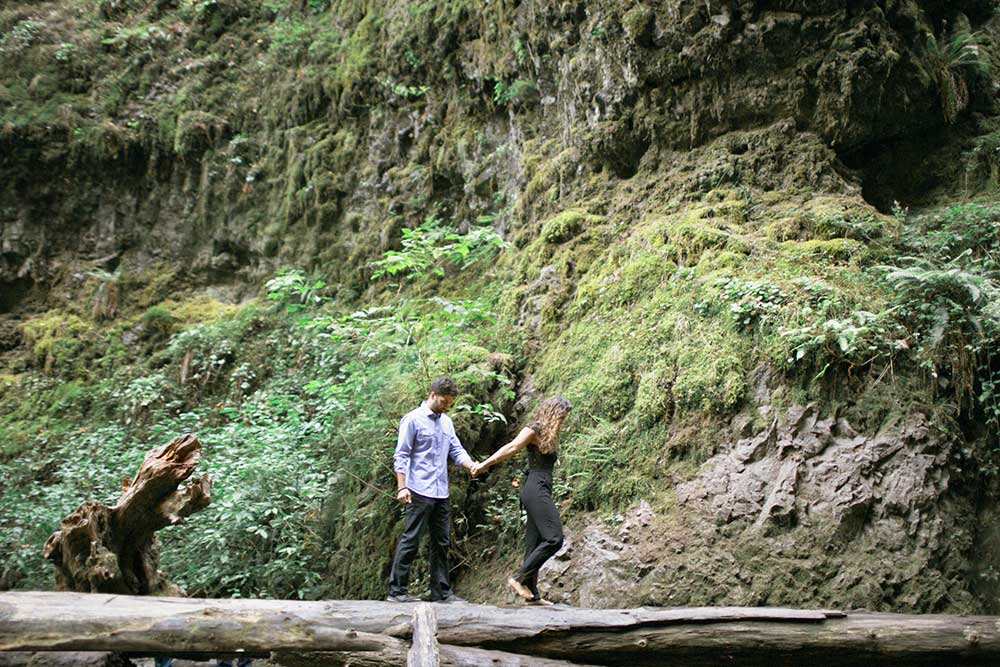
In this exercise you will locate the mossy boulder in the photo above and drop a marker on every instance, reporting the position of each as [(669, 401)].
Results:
[(568, 224)]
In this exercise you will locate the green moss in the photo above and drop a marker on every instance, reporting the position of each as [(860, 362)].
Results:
[(654, 396), (827, 217), (712, 368), (197, 308), (57, 340), (196, 131), (686, 236), (146, 288), (638, 23), (158, 322), (833, 249), (564, 226)]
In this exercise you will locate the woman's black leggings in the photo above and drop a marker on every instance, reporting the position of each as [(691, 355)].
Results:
[(543, 532)]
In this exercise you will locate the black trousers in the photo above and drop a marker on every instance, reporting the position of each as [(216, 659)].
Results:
[(431, 515), (543, 535)]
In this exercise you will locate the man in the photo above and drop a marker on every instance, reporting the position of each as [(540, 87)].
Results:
[(426, 440)]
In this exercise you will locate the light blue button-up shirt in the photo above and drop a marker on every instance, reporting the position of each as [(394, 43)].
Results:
[(426, 440)]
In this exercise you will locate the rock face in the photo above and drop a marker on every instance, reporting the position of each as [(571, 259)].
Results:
[(804, 469), (234, 187), (804, 509)]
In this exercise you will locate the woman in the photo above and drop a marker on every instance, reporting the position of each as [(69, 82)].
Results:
[(543, 531)]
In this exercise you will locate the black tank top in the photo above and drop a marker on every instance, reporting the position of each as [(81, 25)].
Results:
[(536, 459)]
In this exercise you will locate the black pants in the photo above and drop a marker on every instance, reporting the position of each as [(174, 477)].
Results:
[(431, 515), (543, 533)]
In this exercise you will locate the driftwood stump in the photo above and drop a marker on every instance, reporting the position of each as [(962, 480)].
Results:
[(101, 549)]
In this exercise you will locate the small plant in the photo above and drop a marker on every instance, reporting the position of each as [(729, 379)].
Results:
[(520, 52), (158, 322), (66, 52), (519, 92), (485, 411), (140, 397), (289, 41), (105, 301), (402, 90), (20, 37), (751, 301), (951, 64), (296, 290), (429, 247), (859, 339)]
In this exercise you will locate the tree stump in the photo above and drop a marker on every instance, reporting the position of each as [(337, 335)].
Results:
[(101, 549)]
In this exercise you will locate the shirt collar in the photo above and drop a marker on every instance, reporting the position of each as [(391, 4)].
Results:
[(430, 413)]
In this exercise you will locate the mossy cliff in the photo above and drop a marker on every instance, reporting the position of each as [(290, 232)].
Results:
[(710, 254)]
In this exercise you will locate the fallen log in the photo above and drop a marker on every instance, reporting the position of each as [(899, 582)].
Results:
[(424, 646), (58, 659), (101, 549), (395, 656), (31, 621)]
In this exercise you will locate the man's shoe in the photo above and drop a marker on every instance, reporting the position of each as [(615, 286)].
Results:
[(452, 599), (402, 597)]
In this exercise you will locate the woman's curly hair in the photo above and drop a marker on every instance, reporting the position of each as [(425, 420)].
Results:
[(549, 417)]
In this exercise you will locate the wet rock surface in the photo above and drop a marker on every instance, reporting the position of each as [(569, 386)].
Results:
[(804, 511)]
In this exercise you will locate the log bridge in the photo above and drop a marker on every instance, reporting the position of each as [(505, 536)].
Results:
[(39, 628)]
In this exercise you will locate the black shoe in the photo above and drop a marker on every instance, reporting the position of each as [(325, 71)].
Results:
[(452, 599), (402, 597)]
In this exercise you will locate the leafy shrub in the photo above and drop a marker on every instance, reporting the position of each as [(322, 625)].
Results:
[(16, 41), (430, 247), (751, 301)]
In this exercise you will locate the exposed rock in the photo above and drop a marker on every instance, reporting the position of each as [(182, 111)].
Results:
[(806, 509)]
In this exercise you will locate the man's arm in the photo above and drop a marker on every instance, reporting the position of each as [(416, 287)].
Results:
[(401, 459), (458, 453)]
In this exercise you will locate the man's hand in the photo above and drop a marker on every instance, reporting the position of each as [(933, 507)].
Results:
[(403, 496), (476, 468)]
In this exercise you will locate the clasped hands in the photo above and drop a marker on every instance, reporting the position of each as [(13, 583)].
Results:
[(476, 468)]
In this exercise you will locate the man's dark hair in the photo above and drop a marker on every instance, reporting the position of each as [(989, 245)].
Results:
[(444, 386)]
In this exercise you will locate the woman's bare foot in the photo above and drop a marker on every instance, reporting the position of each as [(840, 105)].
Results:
[(539, 601), (519, 588)]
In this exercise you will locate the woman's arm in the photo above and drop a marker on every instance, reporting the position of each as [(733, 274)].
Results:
[(523, 439)]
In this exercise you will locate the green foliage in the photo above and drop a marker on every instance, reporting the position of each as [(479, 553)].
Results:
[(752, 301), (104, 304), (58, 341), (158, 322), (430, 247), (952, 64), (22, 35), (860, 339), (296, 409), (402, 90), (66, 52), (129, 39), (518, 92), (951, 305), (295, 290), (290, 40)]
